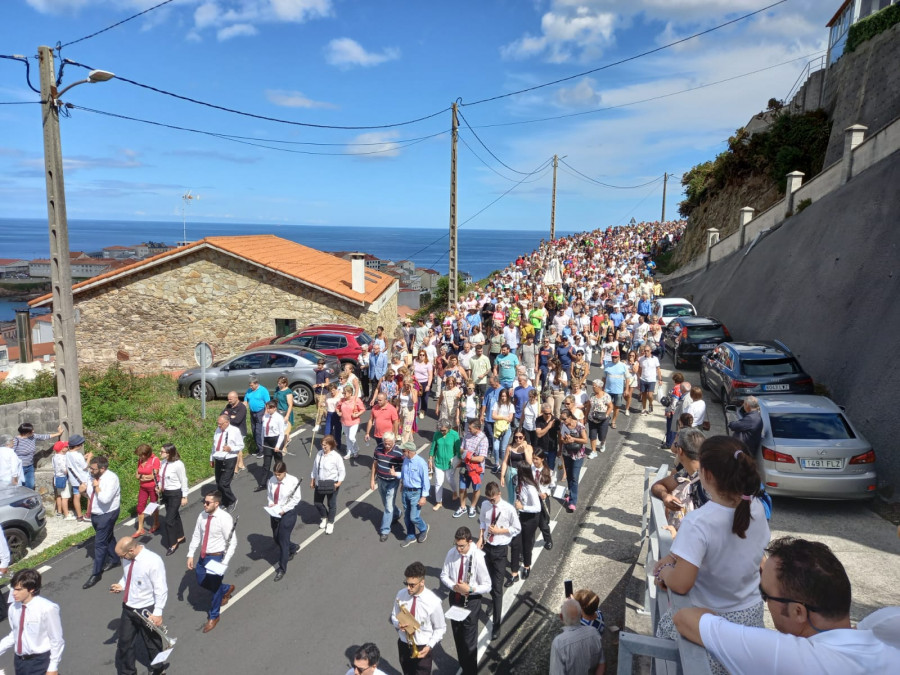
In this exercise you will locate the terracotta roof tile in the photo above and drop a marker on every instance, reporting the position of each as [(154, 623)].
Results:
[(308, 265), (11, 261)]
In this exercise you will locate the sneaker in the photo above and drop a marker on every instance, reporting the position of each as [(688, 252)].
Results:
[(383, 538), (460, 512), (627, 412), (323, 523), (645, 412), (422, 537), (70, 517), (603, 447), (570, 507), (592, 454), (472, 513), (409, 541), (58, 515), (421, 416), (329, 528), (259, 455)]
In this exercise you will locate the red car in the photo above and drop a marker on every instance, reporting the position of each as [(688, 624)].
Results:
[(333, 339)]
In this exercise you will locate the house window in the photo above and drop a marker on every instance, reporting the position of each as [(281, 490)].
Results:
[(285, 326)]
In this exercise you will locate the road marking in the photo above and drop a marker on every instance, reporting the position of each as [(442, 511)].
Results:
[(306, 542), (43, 569)]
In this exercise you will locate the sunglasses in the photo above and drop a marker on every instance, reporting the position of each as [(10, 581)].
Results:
[(766, 597)]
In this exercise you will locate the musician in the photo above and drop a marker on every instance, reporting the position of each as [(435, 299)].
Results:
[(103, 510), (173, 491), (227, 445), (366, 658), (466, 574), (499, 525), (214, 535), (144, 588), (284, 496), (425, 607), (273, 436), (38, 651)]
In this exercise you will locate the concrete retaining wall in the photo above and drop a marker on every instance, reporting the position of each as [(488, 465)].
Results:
[(43, 413)]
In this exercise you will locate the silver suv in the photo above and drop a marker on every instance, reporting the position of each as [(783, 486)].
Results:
[(267, 363), (23, 518)]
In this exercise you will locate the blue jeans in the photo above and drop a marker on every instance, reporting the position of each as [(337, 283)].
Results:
[(500, 444), (388, 491), (212, 583), (29, 476), (413, 512), (573, 470)]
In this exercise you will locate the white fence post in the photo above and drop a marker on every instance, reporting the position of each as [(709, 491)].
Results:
[(745, 217), (712, 237), (794, 181), (853, 136)]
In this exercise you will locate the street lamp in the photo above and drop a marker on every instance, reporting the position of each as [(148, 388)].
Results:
[(67, 383)]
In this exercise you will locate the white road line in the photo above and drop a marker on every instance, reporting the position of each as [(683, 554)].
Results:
[(43, 569), (306, 542)]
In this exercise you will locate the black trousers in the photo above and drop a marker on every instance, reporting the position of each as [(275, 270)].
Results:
[(411, 666), (364, 386), (495, 558), (319, 500), (130, 626), (269, 452), (544, 520), (224, 469), (465, 636), (36, 664), (523, 543), (104, 539), (281, 533), (173, 529)]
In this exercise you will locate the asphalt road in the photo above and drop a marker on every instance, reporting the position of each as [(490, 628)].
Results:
[(337, 593)]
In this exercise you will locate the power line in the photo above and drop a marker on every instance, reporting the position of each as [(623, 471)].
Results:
[(607, 185), (134, 16), (636, 206), (625, 60), (17, 102), (544, 165), (395, 144), (469, 127), (264, 117), (478, 157), (18, 57)]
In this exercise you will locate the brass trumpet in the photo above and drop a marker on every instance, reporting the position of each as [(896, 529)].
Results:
[(162, 631)]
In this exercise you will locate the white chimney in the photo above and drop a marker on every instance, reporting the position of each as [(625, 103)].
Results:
[(358, 272)]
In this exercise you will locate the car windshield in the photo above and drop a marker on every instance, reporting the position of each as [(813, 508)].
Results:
[(364, 338), (769, 367), (677, 310), (810, 426), (706, 332)]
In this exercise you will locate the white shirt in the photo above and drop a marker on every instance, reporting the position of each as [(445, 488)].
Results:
[(273, 425), (328, 466), (649, 366), (77, 468), (843, 651), (530, 498), (377, 671), (231, 438), (530, 413), (172, 476), (728, 575), (697, 410), (222, 525), (107, 498), (286, 501), (10, 465), (5, 556), (480, 581), (148, 582), (42, 632), (507, 518), (429, 613)]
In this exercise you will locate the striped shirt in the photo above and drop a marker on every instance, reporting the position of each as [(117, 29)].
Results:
[(24, 447), (385, 459)]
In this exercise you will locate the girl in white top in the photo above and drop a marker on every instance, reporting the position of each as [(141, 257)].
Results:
[(173, 492), (697, 407), (530, 412), (60, 474), (471, 403), (328, 466), (528, 503), (716, 556)]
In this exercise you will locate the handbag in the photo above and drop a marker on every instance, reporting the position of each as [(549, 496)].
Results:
[(325, 487), (59, 482)]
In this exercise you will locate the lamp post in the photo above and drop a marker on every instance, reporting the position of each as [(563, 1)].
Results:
[(67, 383)]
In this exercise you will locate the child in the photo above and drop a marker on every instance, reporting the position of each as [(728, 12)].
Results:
[(77, 468), (61, 480)]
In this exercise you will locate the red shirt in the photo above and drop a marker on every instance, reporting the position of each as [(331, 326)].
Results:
[(383, 419), (147, 468)]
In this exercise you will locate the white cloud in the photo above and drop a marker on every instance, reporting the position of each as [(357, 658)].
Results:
[(345, 52), (301, 10), (582, 95), (295, 99), (380, 145), (235, 30), (206, 15), (578, 32)]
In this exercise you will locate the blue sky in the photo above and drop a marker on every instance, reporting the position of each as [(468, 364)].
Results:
[(368, 63)]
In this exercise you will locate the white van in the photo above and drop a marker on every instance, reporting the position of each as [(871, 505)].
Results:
[(670, 308)]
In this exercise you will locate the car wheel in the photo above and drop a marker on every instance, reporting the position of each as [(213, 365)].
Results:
[(196, 389), (18, 543), (303, 395)]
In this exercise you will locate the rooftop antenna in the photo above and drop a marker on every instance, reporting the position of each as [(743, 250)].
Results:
[(186, 199)]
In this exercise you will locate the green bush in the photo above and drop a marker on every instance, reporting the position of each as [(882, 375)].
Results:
[(871, 26), (14, 391)]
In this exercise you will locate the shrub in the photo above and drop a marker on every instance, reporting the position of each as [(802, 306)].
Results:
[(871, 26)]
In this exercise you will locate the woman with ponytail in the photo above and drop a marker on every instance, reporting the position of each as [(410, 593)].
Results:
[(716, 556)]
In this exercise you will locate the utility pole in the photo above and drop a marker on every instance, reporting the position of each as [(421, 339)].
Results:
[(67, 383), (452, 290), (553, 202), (665, 180)]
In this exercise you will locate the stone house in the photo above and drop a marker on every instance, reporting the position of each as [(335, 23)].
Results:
[(227, 291)]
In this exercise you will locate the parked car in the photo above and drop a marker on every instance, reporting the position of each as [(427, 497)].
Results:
[(687, 338), (735, 370), (267, 363), (811, 450), (23, 518), (333, 339), (666, 309)]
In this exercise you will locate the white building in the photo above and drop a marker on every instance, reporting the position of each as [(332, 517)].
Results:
[(848, 14)]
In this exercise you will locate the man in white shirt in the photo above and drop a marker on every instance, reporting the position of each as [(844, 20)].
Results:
[(10, 464), (466, 574), (650, 376), (366, 660), (38, 651), (273, 437), (425, 607), (103, 510), (227, 444), (283, 498), (214, 535), (499, 525), (808, 595), (144, 588)]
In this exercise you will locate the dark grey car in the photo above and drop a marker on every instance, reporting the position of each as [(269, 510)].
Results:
[(267, 363), (23, 518)]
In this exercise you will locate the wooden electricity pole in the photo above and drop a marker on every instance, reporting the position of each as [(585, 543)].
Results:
[(452, 290), (553, 203), (665, 180)]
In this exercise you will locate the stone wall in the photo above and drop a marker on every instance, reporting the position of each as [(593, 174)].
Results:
[(152, 319), (43, 413)]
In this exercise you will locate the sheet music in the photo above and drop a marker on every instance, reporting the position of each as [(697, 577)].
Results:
[(215, 567), (457, 613)]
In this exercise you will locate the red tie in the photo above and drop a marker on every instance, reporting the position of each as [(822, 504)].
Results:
[(412, 610), (219, 444), (277, 492), (462, 562), (21, 628), (162, 485), (205, 537), (128, 582)]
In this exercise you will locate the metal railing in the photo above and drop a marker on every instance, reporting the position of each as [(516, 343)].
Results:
[(669, 656), (811, 67)]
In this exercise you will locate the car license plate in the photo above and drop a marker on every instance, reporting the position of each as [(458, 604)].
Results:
[(707, 346), (822, 463), (776, 387)]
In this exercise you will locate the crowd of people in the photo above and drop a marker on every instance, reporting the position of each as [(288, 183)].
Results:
[(507, 376)]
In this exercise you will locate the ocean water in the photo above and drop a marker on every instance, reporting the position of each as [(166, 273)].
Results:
[(481, 251)]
